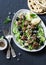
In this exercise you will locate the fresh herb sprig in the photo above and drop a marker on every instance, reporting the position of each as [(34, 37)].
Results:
[(7, 20), (33, 15)]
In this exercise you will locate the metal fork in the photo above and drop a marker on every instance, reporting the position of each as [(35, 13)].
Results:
[(8, 35)]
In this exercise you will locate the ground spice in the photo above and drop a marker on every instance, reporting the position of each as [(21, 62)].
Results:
[(2, 44)]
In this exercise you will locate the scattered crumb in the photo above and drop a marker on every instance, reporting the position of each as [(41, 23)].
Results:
[(8, 16), (9, 13), (18, 59), (19, 53)]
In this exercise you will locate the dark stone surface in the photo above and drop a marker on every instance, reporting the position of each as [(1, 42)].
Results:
[(26, 58)]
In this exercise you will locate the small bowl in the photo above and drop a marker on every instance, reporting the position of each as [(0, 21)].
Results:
[(3, 44)]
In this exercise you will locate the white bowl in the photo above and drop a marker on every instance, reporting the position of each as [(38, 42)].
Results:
[(17, 43), (5, 42)]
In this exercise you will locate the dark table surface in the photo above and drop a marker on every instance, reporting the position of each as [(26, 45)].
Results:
[(26, 58)]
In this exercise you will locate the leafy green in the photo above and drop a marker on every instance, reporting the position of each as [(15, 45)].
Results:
[(30, 47), (42, 39), (33, 15), (28, 17), (18, 34), (7, 20), (1, 37), (15, 28), (22, 23), (41, 34), (20, 41)]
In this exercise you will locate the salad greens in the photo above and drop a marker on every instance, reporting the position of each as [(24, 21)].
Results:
[(33, 15), (30, 47), (7, 20), (29, 16), (28, 35), (1, 37), (41, 34)]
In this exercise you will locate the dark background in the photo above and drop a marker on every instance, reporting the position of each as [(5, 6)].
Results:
[(26, 58)]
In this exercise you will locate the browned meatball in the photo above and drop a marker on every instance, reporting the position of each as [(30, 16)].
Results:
[(23, 37), (33, 37), (32, 26), (35, 45), (22, 17), (29, 26), (26, 23), (19, 23), (29, 41), (24, 28), (30, 32)]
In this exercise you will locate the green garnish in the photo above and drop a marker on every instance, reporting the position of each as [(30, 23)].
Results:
[(1, 37), (42, 39), (15, 28), (33, 15), (41, 34), (7, 20), (30, 47)]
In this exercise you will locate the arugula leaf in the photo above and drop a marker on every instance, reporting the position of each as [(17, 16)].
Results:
[(7, 20)]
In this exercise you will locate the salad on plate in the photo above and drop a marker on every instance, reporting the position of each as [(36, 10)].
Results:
[(28, 31)]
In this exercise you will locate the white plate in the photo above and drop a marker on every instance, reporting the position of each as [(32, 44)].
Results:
[(17, 43)]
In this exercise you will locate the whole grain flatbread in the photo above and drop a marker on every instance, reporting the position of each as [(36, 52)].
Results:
[(42, 2), (36, 7)]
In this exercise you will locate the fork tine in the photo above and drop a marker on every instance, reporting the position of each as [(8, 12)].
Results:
[(5, 32)]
